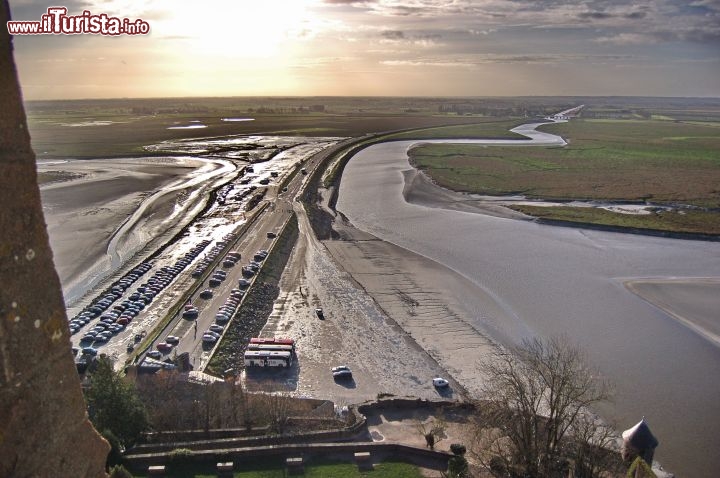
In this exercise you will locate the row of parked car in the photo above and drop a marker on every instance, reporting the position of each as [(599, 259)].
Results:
[(115, 319), (232, 258), (102, 303), (223, 316), (164, 347), (211, 256), (252, 268), (227, 310)]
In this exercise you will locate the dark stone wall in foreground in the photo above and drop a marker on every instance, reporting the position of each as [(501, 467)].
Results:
[(44, 429)]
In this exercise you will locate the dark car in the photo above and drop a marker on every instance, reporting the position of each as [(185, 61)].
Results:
[(190, 314)]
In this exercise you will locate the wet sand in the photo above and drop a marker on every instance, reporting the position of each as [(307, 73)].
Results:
[(85, 211), (693, 302), (425, 299)]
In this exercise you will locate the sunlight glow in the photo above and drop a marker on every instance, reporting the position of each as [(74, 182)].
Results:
[(240, 29)]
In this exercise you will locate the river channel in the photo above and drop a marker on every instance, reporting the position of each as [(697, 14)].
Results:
[(558, 280)]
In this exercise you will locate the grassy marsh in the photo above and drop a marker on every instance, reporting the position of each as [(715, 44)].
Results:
[(659, 161)]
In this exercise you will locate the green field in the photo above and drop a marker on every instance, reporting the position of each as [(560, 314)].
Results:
[(658, 161), (483, 128), (314, 469), (692, 222)]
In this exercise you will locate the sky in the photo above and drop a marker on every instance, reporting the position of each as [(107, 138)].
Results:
[(378, 48)]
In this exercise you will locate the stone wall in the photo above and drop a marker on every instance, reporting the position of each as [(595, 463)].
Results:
[(44, 429)]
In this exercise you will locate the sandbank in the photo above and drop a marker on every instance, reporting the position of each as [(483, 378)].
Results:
[(692, 302)]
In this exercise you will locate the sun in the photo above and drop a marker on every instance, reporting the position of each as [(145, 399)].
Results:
[(240, 29)]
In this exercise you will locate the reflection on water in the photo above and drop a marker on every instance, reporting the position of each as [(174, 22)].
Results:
[(568, 281)]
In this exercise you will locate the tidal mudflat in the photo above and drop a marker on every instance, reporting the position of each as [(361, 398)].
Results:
[(101, 212), (550, 281)]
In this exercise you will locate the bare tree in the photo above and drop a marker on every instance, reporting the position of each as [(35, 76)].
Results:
[(433, 431), (594, 448), (275, 405), (539, 393)]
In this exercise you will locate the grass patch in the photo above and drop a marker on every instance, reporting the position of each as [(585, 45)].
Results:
[(692, 222), (490, 128), (613, 160), (274, 265), (313, 469)]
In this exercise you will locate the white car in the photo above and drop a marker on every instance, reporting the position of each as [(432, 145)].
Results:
[(342, 373), (440, 382)]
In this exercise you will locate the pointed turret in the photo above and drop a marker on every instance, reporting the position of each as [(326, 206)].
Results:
[(639, 441)]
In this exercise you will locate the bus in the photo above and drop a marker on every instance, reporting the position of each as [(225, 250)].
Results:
[(268, 358), (279, 347), (273, 341)]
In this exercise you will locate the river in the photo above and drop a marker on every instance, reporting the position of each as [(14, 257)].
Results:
[(557, 280)]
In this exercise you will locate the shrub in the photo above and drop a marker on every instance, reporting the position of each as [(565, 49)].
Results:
[(458, 449), (180, 456)]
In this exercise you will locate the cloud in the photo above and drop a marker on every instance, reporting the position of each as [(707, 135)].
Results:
[(628, 39), (481, 32), (693, 35), (635, 15), (472, 61), (595, 15), (320, 62), (693, 21), (428, 63), (392, 35), (420, 39)]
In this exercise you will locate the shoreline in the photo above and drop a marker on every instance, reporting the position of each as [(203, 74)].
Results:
[(424, 298), (686, 300)]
